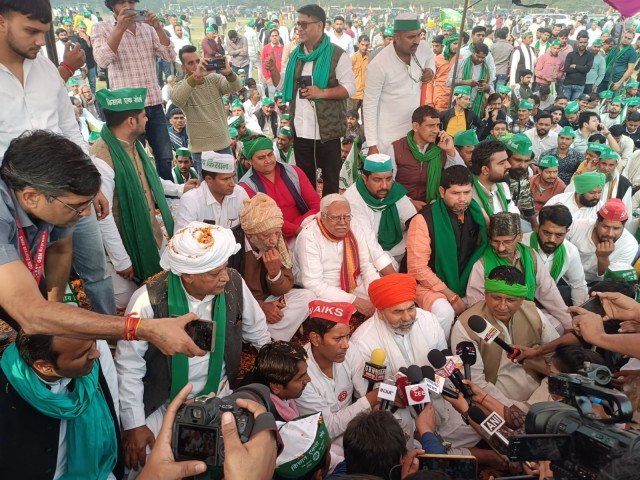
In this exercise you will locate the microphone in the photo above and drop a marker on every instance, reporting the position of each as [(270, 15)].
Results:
[(490, 334), (375, 370), (490, 425), (430, 374), (402, 382), (403, 370), (446, 368), (446, 352), (467, 352), (417, 392), (387, 393)]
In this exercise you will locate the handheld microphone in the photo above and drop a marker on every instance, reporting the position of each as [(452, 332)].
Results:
[(490, 425), (490, 334), (448, 370), (403, 370), (447, 352), (375, 370), (387, 393), (467, 352), (417, 392), (430, 374), (401, 383)]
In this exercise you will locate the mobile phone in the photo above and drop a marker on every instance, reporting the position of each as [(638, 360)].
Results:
[(303, 82), (600, 127), (538, 447), (203, 333), (216, 64), (140, 15), (594, 305), (458, 467)]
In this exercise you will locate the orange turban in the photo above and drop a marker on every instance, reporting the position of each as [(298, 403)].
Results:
[(392, 290)]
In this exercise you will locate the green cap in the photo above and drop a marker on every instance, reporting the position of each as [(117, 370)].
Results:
[(277, 95), (252, 23), (266, 101), (122, 99), (183, 152), (462, 90), (622, 271), (597, 43), (233, 132), (618, 99), (503, 89), (567, 132), (638, 29), (241, 71), (406, 22), (527, 34), (606, 94), (526, 104), (571, 108), (520, 144), (82, 24), (66, 20), (465, 138), (548, 162), (209, 30), (225, 100), (378, 162), (596, 147), (606, 32), (555, 43), (235, 121), (609, 154), (270, 25), (86, 14), (388, 32), (284, 116), (447, 26), (72, 81), (237, 103), (588, 181), (633, 101), (306, 440), (631, 85)]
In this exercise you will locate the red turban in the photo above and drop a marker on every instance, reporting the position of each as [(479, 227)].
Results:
[(392, 290)]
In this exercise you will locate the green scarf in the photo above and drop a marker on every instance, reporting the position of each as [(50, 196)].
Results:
[(390, 229), (500, 286), (180, 179), (558, 256), (321, 57), (492, 260), (446, 53), (485, 201), (446, 247), (467, 74), (136, 228), (286, 157), (91, 436), (433, 156), (178, 306), (612, 57)]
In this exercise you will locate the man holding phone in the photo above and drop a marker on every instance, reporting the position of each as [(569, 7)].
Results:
[(128, 44)]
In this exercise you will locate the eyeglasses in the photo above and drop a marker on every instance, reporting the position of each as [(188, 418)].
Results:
[(336, 218), (505, 243), (304, 25), (77, 212)]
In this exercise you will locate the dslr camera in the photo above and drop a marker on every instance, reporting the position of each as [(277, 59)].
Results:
[(197, 433), (576, 440)]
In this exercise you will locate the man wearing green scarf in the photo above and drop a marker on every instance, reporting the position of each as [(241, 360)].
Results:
[(505, 307), (132, 235), (475, 71), (284, 142), (620, 62), (585, 200), (559, 256), (505, 249), (317, 83), (196, 280), (382, 209), (444, 64), (59, 404), (443, 243), (183, 171)]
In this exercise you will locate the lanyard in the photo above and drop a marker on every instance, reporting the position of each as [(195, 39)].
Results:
[(35, 267)]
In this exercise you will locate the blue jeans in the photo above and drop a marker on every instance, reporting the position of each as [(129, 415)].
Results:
[(91, 76), (500, 80), (163, 70), (197, 158), (90, 264), (572, 92), (158, 137)]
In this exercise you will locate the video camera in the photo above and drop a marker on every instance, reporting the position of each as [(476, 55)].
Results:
[(197, 433), (577, 441)]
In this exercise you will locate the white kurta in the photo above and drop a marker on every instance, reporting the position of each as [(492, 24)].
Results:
[(345, 42), (572, 271), (568, 200), (541, 144), (624, 251), (369, 220), (317, 263), (334, 396), (199, 205), (494, 199), (391, 96), (513, 383), (610, 190)]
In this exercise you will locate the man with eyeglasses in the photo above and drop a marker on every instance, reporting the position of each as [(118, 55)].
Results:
[(332, 258), (132, 236), (317, 83), (505, 249)]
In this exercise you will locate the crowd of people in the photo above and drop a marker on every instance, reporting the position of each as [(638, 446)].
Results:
[(314, 194)]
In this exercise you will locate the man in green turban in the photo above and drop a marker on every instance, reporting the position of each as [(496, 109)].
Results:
[(465, 143), (583, 202), (444, 64)]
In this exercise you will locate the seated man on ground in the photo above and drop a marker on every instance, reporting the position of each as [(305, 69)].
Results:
[(382, 209), (585, 200), (547, 183), (465, 143), (183, 170)]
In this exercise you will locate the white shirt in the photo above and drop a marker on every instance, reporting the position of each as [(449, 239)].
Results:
[(391, 96), (572, 271), (541, 144), (199, 204), (632, 169), (624, 251), (284, 34), (345, 41), (610, 190), (41, 104), (132, 367), (626, 152), (178, 43), (250, 108), (568, 199), (369, 220), (317, 263), (494, 198), (305, 121), (513, 383), (111, 238)]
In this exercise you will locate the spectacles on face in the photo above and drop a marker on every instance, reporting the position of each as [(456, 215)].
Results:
[(337, 218), (504, 243), (80, 211), (303, 25)]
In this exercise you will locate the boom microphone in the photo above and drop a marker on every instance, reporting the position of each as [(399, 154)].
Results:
[(467, 352), (375, 370), (490, 334), (446, 368)]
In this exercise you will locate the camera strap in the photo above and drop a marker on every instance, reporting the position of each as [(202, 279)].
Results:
[(267, 421)]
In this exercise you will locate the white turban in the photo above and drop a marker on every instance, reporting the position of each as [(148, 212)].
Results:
[(198, 248)]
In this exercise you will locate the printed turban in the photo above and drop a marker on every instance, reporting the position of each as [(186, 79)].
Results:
[(198, 248), (392, 290)]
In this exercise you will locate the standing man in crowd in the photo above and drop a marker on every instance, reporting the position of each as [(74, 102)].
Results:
[(620, 62), (577, 65), (128, 49), (238, 50)]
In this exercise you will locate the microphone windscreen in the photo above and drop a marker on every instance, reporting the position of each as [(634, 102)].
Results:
[(428, 372), (476, 414), (477, 323), (414, 374), (446, 352), (378, 356), (436, 358), (403, 370)]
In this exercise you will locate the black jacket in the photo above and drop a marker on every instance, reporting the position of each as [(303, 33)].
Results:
[(262, 119), (583, 63), (473, 121)]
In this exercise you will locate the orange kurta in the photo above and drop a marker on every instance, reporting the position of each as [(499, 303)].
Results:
[(441, 92)]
